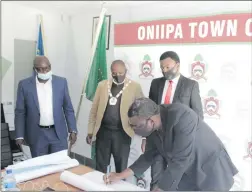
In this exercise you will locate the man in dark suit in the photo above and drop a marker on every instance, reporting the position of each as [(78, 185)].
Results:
[(197, 159), (172, 88), (44, 113)]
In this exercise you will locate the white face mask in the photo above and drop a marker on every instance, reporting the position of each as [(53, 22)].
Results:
[(44, 76)]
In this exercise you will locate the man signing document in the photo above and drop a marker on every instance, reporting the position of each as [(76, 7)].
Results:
[(196, 158)]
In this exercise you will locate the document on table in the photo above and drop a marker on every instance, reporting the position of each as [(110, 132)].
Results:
[(43, 165), (93, 181)]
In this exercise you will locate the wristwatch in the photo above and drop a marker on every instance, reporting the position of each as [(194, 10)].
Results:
[(73, 132)]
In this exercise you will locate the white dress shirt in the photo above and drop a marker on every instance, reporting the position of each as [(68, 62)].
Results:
[(45, 99), (44, 92), (174, 85)]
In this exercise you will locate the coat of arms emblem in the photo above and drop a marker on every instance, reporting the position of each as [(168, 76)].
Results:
[(146, 67), (211, 104), (198, 68)]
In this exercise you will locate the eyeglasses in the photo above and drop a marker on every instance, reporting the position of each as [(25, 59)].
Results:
[(132, 125)]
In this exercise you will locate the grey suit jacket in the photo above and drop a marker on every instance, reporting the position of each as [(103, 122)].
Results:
[(187, 92), (189, 146)]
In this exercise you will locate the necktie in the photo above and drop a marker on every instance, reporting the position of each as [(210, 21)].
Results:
[(168, 93)]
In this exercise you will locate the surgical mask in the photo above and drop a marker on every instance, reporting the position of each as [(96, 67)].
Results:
[(143, 129), (169, 75), (119, 78), (44, 76)]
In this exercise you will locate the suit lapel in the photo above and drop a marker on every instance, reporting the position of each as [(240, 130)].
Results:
[(106, 94), (178, 88), (34, 91), (124, 98), (161, 89)]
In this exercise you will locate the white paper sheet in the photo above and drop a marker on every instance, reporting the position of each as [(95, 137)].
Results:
[(93, 181), (82, 182), (54, 158), (43, 165), (25, 176)]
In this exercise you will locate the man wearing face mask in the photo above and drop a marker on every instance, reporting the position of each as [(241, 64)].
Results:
[(44, 113), (108, 120), (197, 159), (172, 88)]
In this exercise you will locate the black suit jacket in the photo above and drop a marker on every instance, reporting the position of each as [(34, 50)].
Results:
[(187, 92), (189, 146)]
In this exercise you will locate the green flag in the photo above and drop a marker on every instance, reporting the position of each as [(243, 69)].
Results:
[(98, 71)]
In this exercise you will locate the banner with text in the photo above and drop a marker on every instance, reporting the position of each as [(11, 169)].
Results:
[(215, 51)]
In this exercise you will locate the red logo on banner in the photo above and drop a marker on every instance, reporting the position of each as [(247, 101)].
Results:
[(212, 104), (198, 68), (146, 67)]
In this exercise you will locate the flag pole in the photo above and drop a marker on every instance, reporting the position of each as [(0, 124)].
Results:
[(97, 33), (42, 31)]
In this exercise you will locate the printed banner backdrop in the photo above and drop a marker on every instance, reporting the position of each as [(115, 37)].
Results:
[(214, 50)]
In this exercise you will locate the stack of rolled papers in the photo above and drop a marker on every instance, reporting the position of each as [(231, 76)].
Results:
[(43, 165), (93, 181)]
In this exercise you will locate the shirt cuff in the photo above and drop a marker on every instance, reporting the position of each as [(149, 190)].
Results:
[(19, 138)]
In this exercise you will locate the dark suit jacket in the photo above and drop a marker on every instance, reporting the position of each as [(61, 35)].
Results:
[(189, 146), (27, 114), (187, 92)]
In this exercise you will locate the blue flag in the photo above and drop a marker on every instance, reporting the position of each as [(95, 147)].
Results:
[(40, 44)]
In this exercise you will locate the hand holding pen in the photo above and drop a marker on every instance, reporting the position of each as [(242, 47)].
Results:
[(109, 177)]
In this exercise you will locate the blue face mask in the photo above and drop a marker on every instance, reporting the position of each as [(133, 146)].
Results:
[(45, 76)]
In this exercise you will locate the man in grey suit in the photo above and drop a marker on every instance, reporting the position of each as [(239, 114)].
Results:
[(197, 159), (172, 88), (44, 113)]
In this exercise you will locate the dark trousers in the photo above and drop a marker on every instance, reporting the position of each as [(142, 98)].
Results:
[(111, 142), (48, 143), (157, 170)]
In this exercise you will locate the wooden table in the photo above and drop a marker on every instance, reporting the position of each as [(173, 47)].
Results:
[(53, 181)]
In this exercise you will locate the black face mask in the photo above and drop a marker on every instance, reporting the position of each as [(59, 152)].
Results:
[(143, 130), (169, 75), (119, 78)]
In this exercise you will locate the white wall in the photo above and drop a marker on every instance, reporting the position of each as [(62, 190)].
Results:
[(19, 22), (68, 42), (82, 27)]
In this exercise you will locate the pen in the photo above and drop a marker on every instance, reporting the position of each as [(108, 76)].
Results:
[(108, 171)]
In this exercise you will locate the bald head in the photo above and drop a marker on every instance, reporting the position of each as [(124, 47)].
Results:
[(41, 64), (118, 62), (118, 70)]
